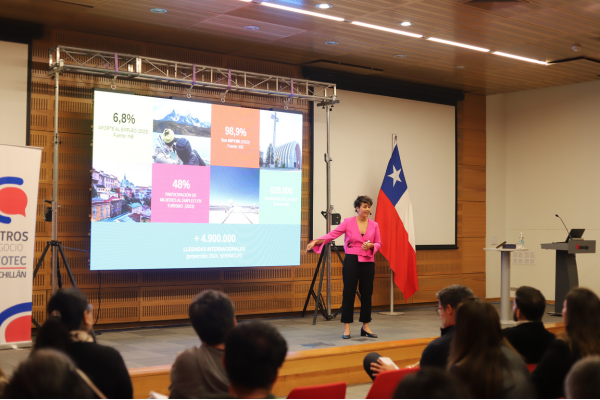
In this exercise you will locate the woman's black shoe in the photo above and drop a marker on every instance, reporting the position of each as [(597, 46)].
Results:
[(367, 334), (345, 336)]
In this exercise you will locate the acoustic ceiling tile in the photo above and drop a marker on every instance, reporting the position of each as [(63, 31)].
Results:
[(448, 13), (139, 11), (234, 27), (505, 9), (421, 26), (559, 20), (517, 31)]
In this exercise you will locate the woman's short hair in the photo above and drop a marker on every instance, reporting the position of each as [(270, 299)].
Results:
[(363, 199)]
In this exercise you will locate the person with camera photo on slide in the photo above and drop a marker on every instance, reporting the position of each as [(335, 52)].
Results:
[(164, 147), (362, 241)]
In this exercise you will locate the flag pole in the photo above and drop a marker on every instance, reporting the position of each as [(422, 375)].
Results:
[(391, 312)]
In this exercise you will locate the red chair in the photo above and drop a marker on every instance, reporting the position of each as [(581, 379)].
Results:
[(531, 367), (328, 391), (386, 382)]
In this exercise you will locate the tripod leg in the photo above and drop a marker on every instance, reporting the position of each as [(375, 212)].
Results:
[(39, 264), (311, 291), (318, 296), (58, 274), (67, 267)]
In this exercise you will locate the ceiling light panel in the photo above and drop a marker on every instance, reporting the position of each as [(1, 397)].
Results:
[(531, 60), (381, 28), (463, 45), (300, 11)]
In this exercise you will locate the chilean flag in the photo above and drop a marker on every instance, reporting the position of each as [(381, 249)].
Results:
[(395, 218)]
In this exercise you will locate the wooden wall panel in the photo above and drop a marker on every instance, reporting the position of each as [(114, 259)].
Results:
[(162, 295)]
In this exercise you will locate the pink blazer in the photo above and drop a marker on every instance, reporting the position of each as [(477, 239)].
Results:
[(353, 240)]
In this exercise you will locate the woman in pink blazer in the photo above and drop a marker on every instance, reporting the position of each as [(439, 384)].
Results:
[(361, 242)]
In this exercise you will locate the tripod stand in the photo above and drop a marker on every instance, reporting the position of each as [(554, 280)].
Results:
[(58, 245), (318, 297)]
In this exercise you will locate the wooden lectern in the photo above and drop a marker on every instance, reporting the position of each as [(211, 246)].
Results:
[(566, 267)]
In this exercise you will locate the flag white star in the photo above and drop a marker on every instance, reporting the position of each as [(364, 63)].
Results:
[(395, 175)]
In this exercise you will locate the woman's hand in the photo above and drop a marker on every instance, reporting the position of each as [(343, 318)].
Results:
[(367, 245), (310, 246)]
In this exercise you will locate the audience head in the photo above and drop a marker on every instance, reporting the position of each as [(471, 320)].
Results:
[(449, 300), (529, 304), (67, 310), (582, 380), (581, 314), (475, 352), (47, 374), (430, 383), (254, 352), (213, 316)]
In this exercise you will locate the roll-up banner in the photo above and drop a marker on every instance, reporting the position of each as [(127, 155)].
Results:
[(19, 182)]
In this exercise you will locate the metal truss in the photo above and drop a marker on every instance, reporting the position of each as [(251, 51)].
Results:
[(128, 66)]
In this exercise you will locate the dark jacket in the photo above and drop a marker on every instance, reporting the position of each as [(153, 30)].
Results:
[(530, 339), (105, 368), (436, 353), (550, 374), (186, 154)]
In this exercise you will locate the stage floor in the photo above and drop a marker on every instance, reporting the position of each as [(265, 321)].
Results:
[(146, 347)]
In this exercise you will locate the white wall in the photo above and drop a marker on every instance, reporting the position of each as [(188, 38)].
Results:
[(13, 93), (543, 159)]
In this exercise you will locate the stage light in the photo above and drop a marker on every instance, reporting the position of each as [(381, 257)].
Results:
[(400, 55), (405, 23), (466, 46), (158, 10), (252, 28), (332, 42), (299, 11), (531, 60), (324, 6), (381, 28)]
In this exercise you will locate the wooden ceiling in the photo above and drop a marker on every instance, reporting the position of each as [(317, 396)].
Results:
[(544, 30)]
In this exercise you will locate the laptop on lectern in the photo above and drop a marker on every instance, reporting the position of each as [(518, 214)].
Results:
[(575, 234)]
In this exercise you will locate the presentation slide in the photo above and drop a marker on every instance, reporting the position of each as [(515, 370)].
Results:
[(185, 184)]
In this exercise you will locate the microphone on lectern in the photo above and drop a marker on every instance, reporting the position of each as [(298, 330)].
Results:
[(563, 222)]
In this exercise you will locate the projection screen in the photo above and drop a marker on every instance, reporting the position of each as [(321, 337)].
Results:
[(361, 143)]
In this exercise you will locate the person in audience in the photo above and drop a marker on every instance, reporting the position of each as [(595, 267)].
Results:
[(49, 374), (254, 352), (530, 338), (581, 316), (436, 352), (430, 383), (199, 371), (3, 381), (482, 359), (583, 381), (67, 329)]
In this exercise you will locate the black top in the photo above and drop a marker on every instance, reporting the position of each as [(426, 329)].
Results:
[(436, 353), (550, 374), (530, 339), (104, 366)]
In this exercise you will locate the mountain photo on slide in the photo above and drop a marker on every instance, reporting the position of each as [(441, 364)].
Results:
[(182, 124)]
